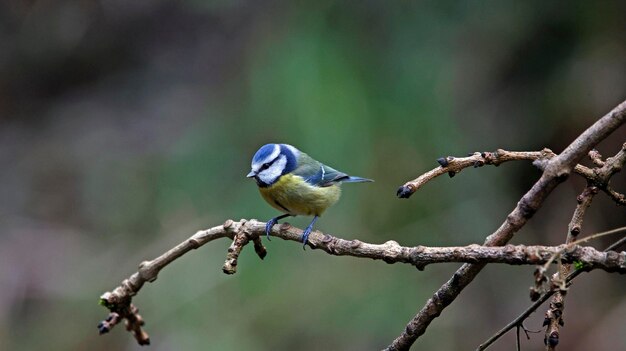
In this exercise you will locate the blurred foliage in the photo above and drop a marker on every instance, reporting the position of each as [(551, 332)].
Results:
[(127, 126)]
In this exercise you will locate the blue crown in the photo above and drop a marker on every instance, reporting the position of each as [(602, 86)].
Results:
[(265, 151)]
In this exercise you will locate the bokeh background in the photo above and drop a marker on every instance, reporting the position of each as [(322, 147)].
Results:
[(126, 126)]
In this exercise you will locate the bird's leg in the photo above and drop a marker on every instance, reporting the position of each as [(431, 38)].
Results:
[(307, 231), (271, 222)]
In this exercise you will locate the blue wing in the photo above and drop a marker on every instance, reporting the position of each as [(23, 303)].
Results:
[(327, 176), (318, 174)]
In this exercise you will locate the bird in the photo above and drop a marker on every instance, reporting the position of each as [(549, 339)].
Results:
[(296, 184)]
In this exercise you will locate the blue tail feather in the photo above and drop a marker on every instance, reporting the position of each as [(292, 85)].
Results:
[(352, 179)]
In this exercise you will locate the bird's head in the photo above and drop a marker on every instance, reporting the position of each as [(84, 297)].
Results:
[(272, 161)]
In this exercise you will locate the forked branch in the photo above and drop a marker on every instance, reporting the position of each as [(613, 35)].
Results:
[(555, 170)]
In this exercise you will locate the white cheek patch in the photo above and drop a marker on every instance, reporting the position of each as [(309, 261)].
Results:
[(270, 175)]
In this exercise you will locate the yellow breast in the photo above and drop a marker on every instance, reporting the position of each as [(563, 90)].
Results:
[(292, 194)]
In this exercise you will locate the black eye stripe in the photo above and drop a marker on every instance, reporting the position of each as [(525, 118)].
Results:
[(268, 164)]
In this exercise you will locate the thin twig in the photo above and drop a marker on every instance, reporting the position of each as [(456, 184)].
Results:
[(619, 198), (452, 165), (616, 244), (554, 315)]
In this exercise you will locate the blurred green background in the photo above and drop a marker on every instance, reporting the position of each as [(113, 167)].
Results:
[(126, 126)]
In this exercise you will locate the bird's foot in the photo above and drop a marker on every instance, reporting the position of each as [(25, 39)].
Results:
[(270, 224), (307, 231), (305, 236), (268, 227)]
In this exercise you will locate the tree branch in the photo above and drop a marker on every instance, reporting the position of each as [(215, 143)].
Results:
[(555, 171), (118, 301)]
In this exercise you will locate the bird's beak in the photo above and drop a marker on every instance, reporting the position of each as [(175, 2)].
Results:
[(251, 174)]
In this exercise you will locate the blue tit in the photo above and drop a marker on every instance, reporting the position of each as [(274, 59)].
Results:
[(296, 184)]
